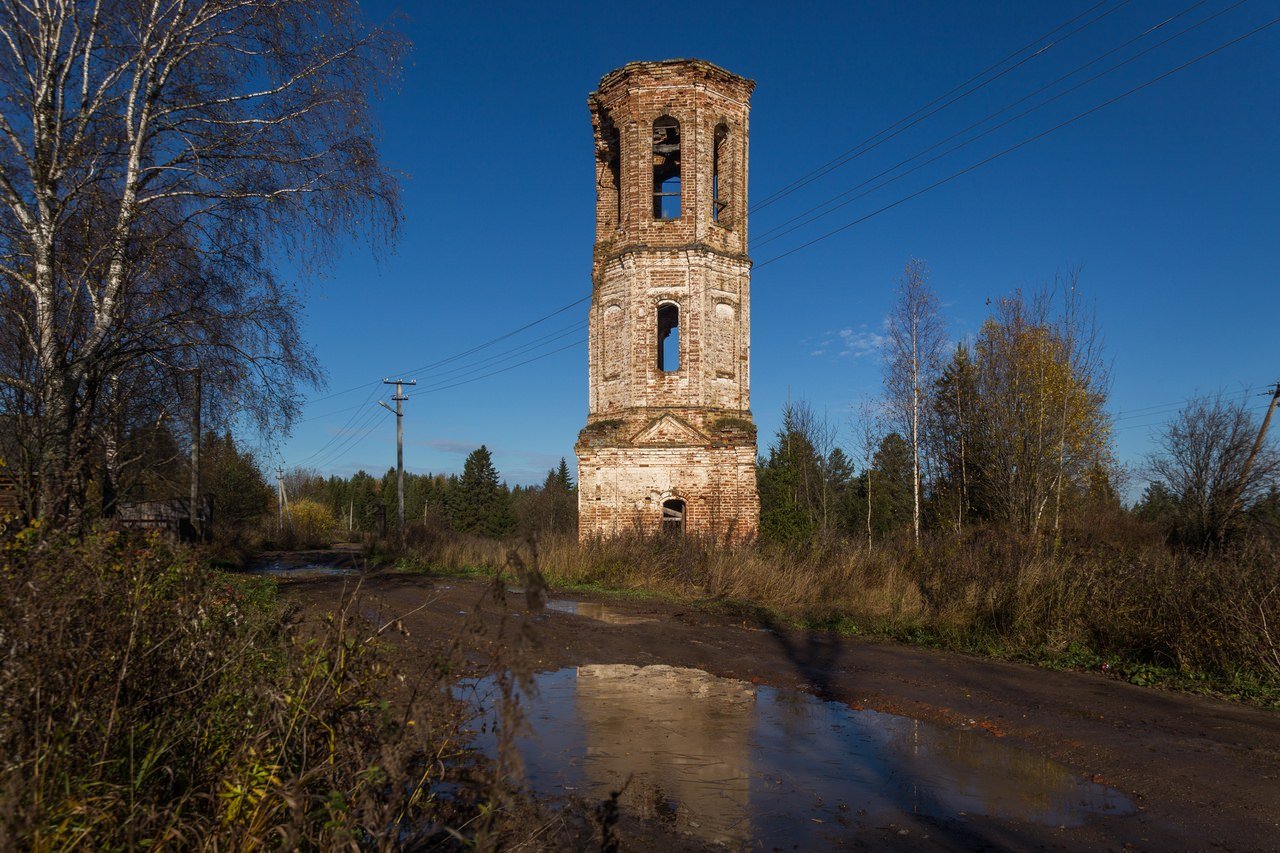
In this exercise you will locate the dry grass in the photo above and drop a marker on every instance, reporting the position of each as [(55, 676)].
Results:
[(1114, 595), (146, 701)]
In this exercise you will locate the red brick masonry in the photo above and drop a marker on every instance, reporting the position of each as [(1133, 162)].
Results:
[(654, 436)]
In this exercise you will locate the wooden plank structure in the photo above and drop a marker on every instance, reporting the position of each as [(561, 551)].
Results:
[(170, 517), (8, 496)]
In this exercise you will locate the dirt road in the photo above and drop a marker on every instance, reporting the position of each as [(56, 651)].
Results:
[(1201, 773)]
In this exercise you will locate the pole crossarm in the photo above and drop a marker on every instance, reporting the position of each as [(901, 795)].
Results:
[(399, 397)]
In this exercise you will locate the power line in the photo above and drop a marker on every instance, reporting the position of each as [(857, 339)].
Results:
[(344, 439), (431, 390), (351, 441), (473, 367), (757, 241), (357, 436), (1152, 411), (347, 424), (1023, 143), (462, 354), (503, 337), (542, 340), (866, 145)]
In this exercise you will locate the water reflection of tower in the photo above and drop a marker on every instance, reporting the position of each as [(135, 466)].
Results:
[(685, 735)]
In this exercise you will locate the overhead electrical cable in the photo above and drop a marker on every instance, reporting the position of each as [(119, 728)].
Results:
[(1023, 143), (359, 433), (832, 207), (474, 367), (928, 110), (757, 239), (340, 431), (540, 341), (462, 354), (500, 338), (343, 438), (432, 390)]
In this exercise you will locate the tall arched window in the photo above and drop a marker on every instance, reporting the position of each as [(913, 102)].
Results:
[(668, 337), (719, 173), (666, 168)]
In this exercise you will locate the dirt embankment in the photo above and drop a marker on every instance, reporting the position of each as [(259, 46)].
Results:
[(1204, 774)]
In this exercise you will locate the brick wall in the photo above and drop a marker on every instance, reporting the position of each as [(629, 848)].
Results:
[(686, 434)]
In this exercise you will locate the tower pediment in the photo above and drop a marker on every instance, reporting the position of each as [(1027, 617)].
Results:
[(671, 431)]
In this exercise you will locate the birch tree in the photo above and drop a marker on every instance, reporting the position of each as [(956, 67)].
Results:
[(156, 156), (868, 430), (915, 336), (1038, 428)]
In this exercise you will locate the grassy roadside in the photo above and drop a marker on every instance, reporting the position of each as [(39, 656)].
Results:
[(149, 700), (1135, 610)]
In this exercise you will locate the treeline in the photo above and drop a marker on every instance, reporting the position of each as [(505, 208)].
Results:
[(1007, 431), (476, 502)]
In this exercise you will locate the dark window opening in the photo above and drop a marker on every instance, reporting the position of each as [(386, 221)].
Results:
[(673, 516), (666, 168), (719, 191), (668, 337)]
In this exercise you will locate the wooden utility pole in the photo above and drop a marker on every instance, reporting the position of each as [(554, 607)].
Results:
[(399, 397), (197, 523), (1253, 452), (282, 502)]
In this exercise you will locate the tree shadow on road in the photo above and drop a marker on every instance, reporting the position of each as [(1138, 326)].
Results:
[(814, 654)]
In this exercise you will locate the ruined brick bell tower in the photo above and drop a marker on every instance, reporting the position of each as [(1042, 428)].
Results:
[(669, 442)]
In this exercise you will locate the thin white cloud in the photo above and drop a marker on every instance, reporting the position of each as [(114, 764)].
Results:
[(851, 342), (859, 342)]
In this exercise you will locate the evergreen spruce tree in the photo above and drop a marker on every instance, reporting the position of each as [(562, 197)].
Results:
[(564, 500), (481, 504), (787, 480)]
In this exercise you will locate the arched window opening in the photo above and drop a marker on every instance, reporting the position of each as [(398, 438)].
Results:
[(666, 168), (673, 511), (668, 337), (719, 164)]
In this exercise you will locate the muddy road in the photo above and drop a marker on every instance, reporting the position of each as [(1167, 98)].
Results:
[(752, 736)]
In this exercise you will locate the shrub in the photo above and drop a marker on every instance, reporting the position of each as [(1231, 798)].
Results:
[(145, 700), (313, 523)]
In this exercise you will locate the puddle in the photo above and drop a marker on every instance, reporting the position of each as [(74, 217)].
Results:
[(587, 609), (595, 610), (313, 571), (743, 765)]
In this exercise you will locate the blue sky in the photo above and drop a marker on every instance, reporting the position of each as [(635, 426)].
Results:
[(1167, 201)]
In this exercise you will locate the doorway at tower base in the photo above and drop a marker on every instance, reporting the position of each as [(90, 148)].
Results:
[(691, 491)]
